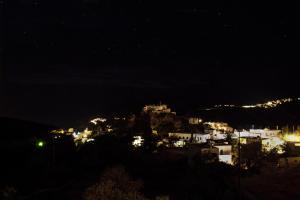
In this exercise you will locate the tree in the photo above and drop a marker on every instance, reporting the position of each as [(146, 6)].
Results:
[(287, 149), (150, 143), (165, 127), (251, 156), (229, 138), (115, 184)]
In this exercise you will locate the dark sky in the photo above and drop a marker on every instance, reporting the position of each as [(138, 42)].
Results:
[(65, 60)]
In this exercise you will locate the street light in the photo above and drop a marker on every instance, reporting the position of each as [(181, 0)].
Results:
[(40, 144)]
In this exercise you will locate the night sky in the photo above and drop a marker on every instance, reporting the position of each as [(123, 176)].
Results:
[(66, 60)]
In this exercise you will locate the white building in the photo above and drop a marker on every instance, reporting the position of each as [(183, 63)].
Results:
[(181, 136), (244, 134), (225, 153), (270, 139), (216, 134), (197, 137), (266, 133), (201, 138), (262, 133)]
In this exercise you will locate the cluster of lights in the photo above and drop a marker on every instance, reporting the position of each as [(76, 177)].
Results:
[(270, 104), (266, 105), (249, 106), (137, 141), (58, 131), (97, 120), (83, 136), (220, 126), (226, 106), (62, 131), (119, 118), (291, 138)]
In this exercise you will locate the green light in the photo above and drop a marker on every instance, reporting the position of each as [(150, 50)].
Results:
[(40, 144)]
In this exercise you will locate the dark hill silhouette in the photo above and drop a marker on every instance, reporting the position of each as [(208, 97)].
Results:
[(282, 115), (16, 129)]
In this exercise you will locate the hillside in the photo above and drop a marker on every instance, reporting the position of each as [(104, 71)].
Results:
[(281, 115), (16, 129)]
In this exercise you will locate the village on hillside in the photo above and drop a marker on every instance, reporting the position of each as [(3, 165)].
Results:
[(193, 135)]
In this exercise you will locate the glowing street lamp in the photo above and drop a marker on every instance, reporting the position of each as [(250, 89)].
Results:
[(40, 144)]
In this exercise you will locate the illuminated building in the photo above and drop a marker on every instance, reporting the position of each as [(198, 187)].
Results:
[(265, 133), (220, 126), (271, 143), (217, 135), (293, 141), (269, 139), (249, 140), (179, 143), (195, 120), (158, 109), (201, 138), (252, 133), (225, 153), (182, 136), (291, 138), (244, 134)]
